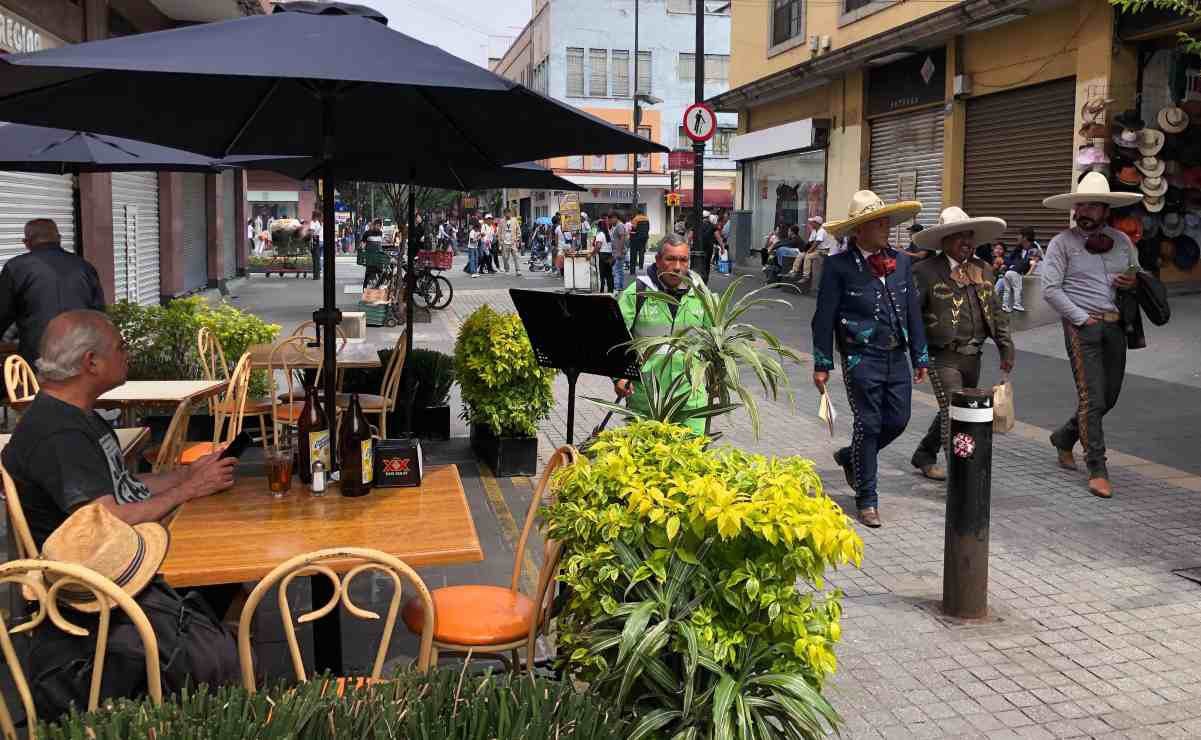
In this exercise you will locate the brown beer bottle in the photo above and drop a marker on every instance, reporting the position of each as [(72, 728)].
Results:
[(313, 441), (355, 451)]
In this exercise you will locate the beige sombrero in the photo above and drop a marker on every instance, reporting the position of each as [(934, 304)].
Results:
[(1093, 188), (95, 538), (954, 220), (866, 206)]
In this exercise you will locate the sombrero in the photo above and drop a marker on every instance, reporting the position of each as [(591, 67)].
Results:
[(1151, 142), (954, 220), (1093, 188), (1173, 120), (866, 206), (95, 538)]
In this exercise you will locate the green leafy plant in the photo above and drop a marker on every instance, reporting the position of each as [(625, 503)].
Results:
[(433, 373), (715, 351), (162, 339), (444, 705), (1189, 9), (502, 384), (297, 262), (683, 567), (668, 402)]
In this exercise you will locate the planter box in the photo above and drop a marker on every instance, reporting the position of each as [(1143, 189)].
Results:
[(507, 456), (431, 423)]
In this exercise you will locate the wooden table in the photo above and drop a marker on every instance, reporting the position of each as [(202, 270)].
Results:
[(353, 355), (428, 525), (160, 392)]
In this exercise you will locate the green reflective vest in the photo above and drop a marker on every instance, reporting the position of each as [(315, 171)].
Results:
[(655, 320)]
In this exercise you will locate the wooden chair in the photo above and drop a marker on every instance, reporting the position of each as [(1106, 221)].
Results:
[(385, 402), (29, 574), (215, 367), (285, 409), (311, 330), (311, 564), (494, 620), (167, 455), (228, 414), (19, 379), (16, 518)]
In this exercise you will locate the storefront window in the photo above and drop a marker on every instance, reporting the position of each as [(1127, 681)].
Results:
[(785, 190)]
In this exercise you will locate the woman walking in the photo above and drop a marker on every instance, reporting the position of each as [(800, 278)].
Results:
[(473, 248), (602, 249)]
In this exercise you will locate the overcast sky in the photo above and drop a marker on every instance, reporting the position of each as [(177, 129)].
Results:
[(471, 29)]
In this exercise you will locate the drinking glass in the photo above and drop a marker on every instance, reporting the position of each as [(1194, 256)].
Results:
[(279, 469)]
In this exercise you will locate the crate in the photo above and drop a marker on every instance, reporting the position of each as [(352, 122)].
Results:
[(376, 314), (372, 258), (438, 260)]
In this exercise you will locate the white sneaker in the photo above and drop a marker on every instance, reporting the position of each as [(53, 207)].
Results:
[(475, 274), (1006, 309), (1020, 308)]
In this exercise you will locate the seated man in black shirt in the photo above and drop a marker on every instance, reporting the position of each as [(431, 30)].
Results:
[(63, 455)]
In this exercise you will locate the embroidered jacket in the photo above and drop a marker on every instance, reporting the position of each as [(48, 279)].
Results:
[(946, 305), (859, 312)]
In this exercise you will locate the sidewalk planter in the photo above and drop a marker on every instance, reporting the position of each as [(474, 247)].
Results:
[(506, 393), (430, 375), (432, 422), (506, 456)]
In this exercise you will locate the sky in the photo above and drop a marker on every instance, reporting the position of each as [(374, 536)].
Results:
[(470, 29)]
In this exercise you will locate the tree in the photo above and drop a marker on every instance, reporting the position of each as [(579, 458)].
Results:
[(1190, 9)]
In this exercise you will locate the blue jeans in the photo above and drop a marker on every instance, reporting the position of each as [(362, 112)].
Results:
[(472, 260), (879, 389), (785, 256), (619, 274)]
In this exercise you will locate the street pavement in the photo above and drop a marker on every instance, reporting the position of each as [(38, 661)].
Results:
[(1091, 635)]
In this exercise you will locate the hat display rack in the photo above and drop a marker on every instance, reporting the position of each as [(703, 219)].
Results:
[(1159, 158)]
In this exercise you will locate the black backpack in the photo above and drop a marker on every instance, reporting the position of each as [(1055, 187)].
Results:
[(194, 647)]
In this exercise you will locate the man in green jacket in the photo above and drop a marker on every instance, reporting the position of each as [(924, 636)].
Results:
[(646, 317)]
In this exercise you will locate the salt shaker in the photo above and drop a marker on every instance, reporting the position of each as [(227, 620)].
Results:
[(318, 478)]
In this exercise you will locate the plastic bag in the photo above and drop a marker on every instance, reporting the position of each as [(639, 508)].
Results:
[(1003, 416)]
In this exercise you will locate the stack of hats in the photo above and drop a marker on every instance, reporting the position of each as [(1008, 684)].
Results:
[(1163, 162)]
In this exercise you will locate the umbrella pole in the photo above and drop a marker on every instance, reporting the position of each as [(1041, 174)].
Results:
[(328, 317), (410, 265)]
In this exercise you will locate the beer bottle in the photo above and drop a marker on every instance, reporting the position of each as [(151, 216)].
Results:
[(313, 443), (355, 451)]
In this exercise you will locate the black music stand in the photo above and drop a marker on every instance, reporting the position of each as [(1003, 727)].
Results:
[(576, 333)]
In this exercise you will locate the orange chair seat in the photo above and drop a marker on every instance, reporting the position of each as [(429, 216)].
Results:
[(254, 407), (289, 413), (194, 452), (474, 615), (367, 401)]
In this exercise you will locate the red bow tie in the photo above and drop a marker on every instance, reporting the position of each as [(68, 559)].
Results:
[(882, 265)]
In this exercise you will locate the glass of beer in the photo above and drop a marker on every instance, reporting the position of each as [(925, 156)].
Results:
[(279, 469)]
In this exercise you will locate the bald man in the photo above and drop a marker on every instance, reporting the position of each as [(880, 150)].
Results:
[(63, 455), (42, 283)]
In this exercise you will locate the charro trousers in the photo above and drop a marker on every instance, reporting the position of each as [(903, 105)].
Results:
[(949, 372), (1098, 357), (879, 390)]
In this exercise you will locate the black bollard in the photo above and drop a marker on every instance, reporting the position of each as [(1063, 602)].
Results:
[(969, 502)]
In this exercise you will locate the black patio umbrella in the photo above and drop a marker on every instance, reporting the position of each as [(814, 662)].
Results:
[(58, 151), (326, 80), (529, 175)]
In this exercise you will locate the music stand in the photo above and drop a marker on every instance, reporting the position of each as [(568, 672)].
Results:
[(555, 322)]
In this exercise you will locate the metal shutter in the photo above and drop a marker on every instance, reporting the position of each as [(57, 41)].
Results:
[(598, 73), (135, 237), (195, 233), (233, 231), (25, 196), (575, 73), (1018, 150), (621, 74), (906, 155)]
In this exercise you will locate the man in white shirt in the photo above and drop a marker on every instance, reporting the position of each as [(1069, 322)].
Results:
[(509, 234), (315, 235)]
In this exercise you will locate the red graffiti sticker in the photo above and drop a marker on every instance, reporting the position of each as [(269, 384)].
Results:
[(963, 444)]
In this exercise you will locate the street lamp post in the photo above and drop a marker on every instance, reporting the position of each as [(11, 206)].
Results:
[(637, 113), (699, 263)]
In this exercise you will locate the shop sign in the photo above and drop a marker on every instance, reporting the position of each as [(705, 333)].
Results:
[(18, 35), (916, 80), (569, 212), (621, 195), (681, 160), (672, 199)]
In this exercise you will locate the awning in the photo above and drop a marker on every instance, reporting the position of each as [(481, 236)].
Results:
[(714, 198)]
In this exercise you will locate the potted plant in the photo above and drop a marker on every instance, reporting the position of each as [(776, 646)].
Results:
[(428, 376), (682, 565), (506, 393)]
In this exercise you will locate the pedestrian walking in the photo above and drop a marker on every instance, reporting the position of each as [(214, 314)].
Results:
[(960, 309), (474, 235), (44, 282), (510, 234), (602, 251), (619, 238), (315, 235), (373, 243), (1086, 266), (867, 303), (251, 237), (639, 236)]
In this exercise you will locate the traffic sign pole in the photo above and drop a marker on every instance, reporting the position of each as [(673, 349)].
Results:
[(700, 123)]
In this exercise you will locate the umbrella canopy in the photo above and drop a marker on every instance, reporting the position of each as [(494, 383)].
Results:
[(323, 80), (61, 152), (385, 169)]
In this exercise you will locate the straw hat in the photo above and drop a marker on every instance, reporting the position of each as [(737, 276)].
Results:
[(1153, 203), (866, 206), (95, 538), (1150, 166), (1150, 142), (1093, 188), (954, 220), (1172, 120), (1154, 186)]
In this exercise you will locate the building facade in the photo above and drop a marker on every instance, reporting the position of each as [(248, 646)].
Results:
[(151, 235), (974, 103), (582, 52)]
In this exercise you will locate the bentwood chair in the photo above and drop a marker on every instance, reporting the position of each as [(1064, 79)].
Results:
[(385, 402), (19, 379), (311, 330), (228, 414), (31, 576), (167, 455), (494, 620), (312, 564), (215, 367), (16, 518), (286, 355)]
